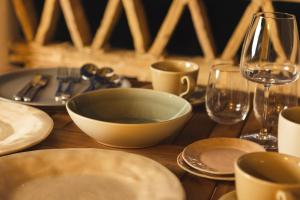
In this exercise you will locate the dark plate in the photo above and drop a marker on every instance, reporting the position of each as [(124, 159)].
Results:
[(11, 83)]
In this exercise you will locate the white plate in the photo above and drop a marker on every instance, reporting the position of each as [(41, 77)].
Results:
[(12, 82), (181, 163), (74, 174), (217, 155), (22, 126), (229, 196)]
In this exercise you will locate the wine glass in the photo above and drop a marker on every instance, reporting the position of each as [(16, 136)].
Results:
[(280, 97), (227, 95), (270, 56)]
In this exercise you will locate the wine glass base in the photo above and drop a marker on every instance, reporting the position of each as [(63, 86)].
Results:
[(269, 142)]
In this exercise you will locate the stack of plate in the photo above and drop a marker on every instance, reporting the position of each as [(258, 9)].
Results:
[(214, 158)]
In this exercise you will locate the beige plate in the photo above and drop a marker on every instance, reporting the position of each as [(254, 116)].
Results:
[(217, 155), (22, 126), (74, 174), (229, 196), (195, 172)]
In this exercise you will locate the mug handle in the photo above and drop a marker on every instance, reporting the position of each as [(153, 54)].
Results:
[(189, 83), (284, 195)]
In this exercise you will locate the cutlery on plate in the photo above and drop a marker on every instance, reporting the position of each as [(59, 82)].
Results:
[(88, 72), (35, 88), (73, 78), (61, 77), (26, 88), (103, 77)]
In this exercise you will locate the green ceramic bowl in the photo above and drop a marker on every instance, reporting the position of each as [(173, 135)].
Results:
[(129, 117)]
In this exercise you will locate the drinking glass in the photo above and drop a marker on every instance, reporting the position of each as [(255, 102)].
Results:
[(270, 56), (280, 97), (227, 94)]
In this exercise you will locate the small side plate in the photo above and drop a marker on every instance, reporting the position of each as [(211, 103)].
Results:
[(217, 155), (181, 163)]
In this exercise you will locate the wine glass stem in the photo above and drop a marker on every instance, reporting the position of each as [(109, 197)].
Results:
[(264, 132)]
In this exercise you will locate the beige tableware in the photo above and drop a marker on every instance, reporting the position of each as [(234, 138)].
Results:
[(217, 155), (21, 127), (267, 175), (174, 76), (289, 131), (129, 117), (229, 196), (74, 174), (182, 164)]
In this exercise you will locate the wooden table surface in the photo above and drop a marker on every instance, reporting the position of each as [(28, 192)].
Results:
[(67, 135)]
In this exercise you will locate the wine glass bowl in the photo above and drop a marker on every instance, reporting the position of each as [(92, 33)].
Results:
[(270, 56)]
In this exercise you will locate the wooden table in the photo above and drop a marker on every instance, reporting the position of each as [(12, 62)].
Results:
[(67, 135)]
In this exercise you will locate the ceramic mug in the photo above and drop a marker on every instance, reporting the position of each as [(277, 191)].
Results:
[(174, 76), (267, 175), (289, 131)]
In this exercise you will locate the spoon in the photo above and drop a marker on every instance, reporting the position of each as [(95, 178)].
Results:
[(88, 71), (97, 75)]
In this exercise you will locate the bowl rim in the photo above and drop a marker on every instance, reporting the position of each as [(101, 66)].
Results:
[(188, 113)]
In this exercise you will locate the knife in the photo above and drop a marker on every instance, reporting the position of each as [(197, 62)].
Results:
[(26, 88), (36, 86)]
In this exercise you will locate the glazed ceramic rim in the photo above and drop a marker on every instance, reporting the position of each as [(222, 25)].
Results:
[(230, 141), (77, 151), (195, 67), (39, 136), (203, 174), (283, 115), (188, 112), (262, 181)]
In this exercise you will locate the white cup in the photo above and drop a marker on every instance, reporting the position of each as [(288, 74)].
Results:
[(289, 131)]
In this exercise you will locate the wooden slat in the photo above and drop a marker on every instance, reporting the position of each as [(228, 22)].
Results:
[(288, 1), (138, 24), (167, 28), (251, 125), (26, 15), (48, 21), (124, 62), (195, 129), (109, 20), (198, 188), (202, 27), (77, 22), (221, 189), (240, 31)]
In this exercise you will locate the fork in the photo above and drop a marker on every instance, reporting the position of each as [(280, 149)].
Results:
[(61, 77), (73, 78)]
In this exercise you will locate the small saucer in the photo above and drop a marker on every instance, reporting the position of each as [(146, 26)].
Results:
[(229, 196), (181, 163), (198, 96), (217, 155)]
